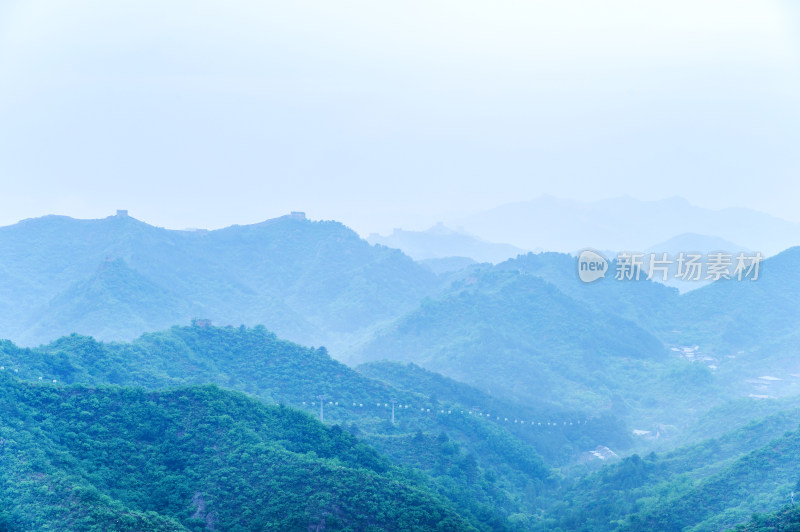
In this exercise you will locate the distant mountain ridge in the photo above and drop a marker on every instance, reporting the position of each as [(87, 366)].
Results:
[(623, 223), (440, 242), (690, 243), (117, 277)]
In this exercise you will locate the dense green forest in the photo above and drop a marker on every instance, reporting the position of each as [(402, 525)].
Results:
[(558, 445), (488, 470), (116, 458), (784, 520), (711, 485), (112, 443)]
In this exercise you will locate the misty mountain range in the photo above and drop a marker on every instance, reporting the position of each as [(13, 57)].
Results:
[(478, 350), (623, 223), (440, 242), (517, 328), (614, 225), (118, 277)]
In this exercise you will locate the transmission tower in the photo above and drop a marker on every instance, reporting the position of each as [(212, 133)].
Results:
[(321, 407)]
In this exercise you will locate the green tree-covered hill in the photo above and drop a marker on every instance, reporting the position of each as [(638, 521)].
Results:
[(115, 458)]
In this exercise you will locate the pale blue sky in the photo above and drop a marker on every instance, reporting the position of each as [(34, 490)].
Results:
[(383, 114)]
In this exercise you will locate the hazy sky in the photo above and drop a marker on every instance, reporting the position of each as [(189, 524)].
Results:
[(381, 114)]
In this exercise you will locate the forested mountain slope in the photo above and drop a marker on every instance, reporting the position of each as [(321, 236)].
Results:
[(489, 466), (519, 336), (192, 458), (117, 277)]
